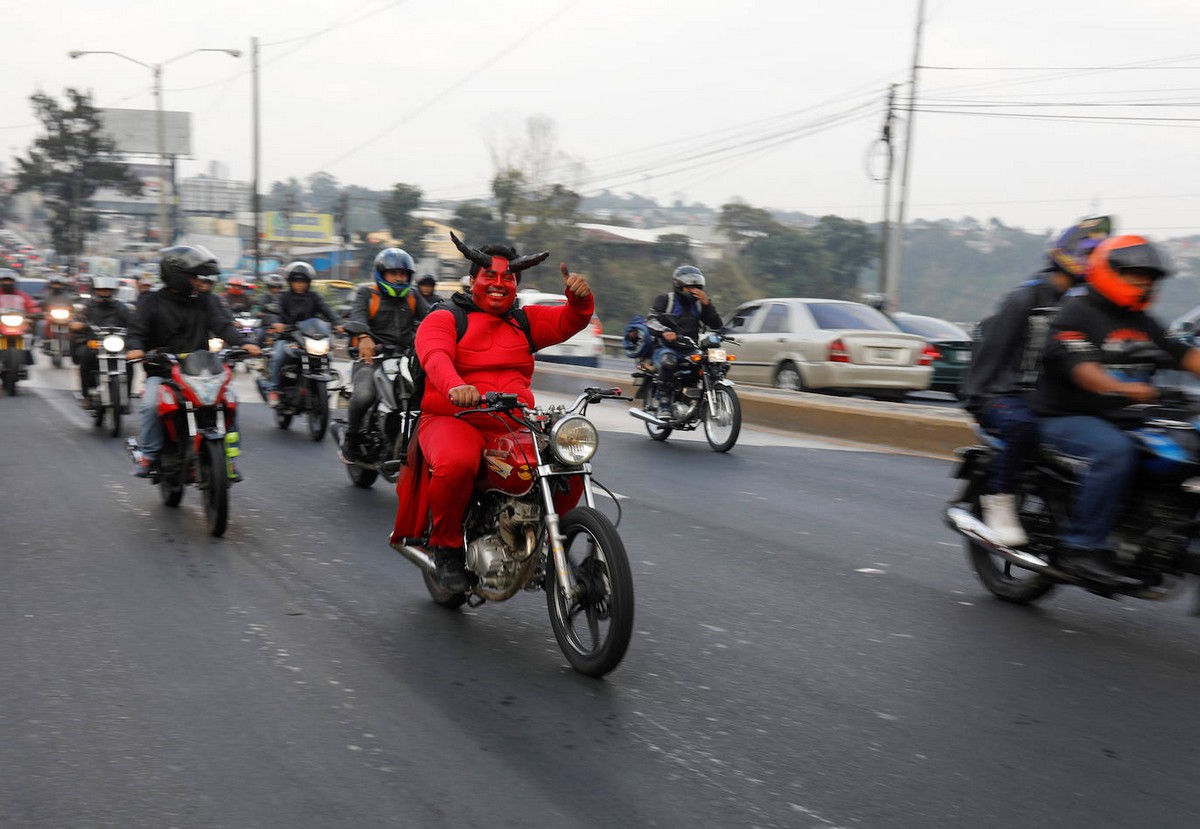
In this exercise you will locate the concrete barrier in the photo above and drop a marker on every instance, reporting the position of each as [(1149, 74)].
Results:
[(911, 428)]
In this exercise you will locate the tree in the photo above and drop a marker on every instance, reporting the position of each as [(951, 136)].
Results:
[(741, 222), (323, 192), (477, 224), (850, 246), (508, 186), (397, 211), (69, 164)]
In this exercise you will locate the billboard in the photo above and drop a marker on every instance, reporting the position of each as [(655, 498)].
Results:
[(135, 131), (316, 228)]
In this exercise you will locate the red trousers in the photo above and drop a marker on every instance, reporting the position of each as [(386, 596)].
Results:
[(453, 448)]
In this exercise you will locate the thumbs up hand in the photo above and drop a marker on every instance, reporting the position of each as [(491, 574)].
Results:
[(573, 282)]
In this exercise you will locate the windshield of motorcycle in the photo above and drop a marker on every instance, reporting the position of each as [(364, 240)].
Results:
[(204, 374), (314, 328)]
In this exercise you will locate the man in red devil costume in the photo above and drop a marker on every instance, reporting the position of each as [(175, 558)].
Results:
[(493, 354)]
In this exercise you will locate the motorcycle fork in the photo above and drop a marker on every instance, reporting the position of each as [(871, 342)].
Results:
[(557, 551)]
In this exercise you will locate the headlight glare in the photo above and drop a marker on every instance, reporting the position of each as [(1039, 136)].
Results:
[(316, 347), (12, 320), (113, 343)]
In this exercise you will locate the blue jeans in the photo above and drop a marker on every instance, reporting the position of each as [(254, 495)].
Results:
[(1010, 419), (1111, 456), (151, 437), (277, 358), (666, 359)]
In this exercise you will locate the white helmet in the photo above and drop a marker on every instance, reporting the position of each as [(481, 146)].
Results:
[(101, 283)]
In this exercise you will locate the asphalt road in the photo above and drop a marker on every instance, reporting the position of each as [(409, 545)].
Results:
[(811, 650)]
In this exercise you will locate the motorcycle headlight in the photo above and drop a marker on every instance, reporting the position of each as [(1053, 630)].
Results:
[(12, 320), (113, 343), (206, 386), (59, 314), (215, 344), (316, 347), (717, 355), (573, 440)]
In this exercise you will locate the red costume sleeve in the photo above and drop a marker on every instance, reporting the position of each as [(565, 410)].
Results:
[(550, 325)]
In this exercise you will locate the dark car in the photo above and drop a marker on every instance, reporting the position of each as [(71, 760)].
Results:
[(952, 343)]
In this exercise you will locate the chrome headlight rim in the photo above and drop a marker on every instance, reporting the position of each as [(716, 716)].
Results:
[(574, 440), (113, 344)]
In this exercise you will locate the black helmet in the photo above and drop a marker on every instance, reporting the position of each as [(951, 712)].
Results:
[(428, 279), (687, 276), (391, 259), (300, 272), (273, 280), (179, 264)]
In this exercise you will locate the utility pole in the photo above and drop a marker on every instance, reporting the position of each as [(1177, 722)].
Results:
[(255, 206), (896, 258), (885, 235)]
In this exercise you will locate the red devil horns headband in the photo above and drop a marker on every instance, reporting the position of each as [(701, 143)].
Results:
[(484, 260)]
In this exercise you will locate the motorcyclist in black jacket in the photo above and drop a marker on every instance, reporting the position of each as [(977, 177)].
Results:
[(296, 304), (102, 309), (179, 319), (388, 311), (681, 312), (1005, 365)]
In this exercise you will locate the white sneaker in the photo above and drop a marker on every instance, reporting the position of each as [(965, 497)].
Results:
[(1000, 515)]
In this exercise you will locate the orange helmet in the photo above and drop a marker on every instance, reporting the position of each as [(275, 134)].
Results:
[(236, 286), (1126, 253)]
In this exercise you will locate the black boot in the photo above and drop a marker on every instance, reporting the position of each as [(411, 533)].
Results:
[(451, 572), (1091, 565)]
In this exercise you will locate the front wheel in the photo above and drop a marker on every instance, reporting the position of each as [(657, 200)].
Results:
[(1002, 578), (318, 410), (114, 397), (214, 478), (593, 626), (282, 420), (12, 370), (723, 422)]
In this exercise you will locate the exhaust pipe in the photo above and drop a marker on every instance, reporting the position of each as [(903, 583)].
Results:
[(417, 556), (963, 522), (642, 414)]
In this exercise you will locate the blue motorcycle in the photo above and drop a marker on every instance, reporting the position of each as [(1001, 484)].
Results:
[(1152, 539)]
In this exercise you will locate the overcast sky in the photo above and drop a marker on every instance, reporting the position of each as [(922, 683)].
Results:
[(777, 103)]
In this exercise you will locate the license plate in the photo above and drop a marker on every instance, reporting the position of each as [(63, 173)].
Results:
[(716, 355), (885, 355), (964, 356)]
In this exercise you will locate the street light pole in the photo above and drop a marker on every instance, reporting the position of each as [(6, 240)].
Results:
[(165, 232)]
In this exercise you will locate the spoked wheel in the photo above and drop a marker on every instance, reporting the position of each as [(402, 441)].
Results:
[(318, 411), (723, 422), (592, 627), (1002, 578), (659, 433), (114, 396), (440, 595), (214, 481)]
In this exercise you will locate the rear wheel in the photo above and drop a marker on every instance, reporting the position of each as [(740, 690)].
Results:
[(170, 483), (361, 476), (723, 423), (114, 398), (214, 481), (594, 626), (440, 595), (787, 376), (659, 433), (1002, 578), (318, 410)]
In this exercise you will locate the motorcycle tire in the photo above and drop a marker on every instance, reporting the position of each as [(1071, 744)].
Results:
[(361, 476), (12, 371), (658, 433), (318, 412), (722, 428), (593, 630), (114, 395), (440, 595), (56, 360), (214, 479), (98, 414), (282, 420), (1004, 580), (171, 491)]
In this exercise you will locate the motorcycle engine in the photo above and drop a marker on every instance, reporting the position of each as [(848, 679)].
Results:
[(498, 557)]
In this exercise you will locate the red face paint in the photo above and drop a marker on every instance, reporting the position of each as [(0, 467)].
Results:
[(495, 288)]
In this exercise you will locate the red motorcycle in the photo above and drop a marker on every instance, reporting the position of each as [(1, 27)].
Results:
[(15, 356), (516, 540), (199, 417)]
